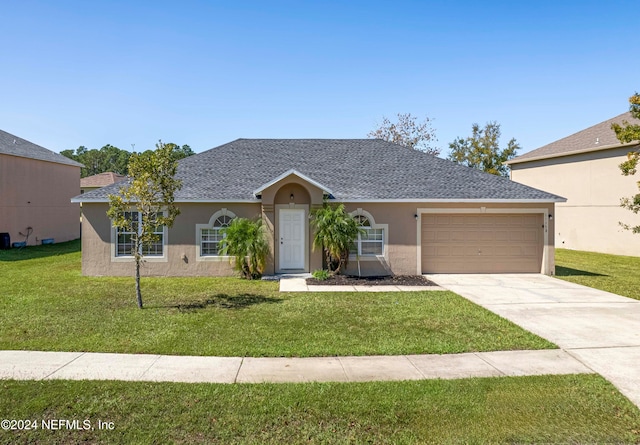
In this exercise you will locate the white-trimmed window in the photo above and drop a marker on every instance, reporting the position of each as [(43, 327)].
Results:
[(209, 235), (370, 243), (124, 239)]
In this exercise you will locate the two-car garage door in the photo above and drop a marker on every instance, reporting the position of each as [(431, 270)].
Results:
[(482, 243)]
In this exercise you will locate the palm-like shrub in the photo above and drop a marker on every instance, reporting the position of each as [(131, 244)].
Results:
[(335, 232), (246, 241)]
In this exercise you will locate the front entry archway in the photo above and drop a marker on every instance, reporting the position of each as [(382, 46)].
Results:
[(292, 239)]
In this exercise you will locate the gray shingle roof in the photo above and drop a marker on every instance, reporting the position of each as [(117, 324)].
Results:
[(599, 136), (15, 146), (354, 169)]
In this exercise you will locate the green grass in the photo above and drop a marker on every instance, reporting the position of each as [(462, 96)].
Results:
[(543, 409), (612, 273), (47, 305)]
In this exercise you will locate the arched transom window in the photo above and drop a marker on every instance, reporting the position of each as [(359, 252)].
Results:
[(211, 234), (371, 241)]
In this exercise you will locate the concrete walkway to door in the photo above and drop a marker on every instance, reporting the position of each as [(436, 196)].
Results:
[(599, 328)]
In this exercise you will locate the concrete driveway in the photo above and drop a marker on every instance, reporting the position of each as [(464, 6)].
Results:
[(599, 328)]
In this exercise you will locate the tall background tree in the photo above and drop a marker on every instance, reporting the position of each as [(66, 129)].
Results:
[(482, 150), (627, 133), (113, 159), (409, 132), (179, 152), (146, 201)]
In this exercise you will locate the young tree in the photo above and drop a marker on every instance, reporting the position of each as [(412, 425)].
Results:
[(335, 232), (482, 151), (146, 202), (408, 132), (626, 133)]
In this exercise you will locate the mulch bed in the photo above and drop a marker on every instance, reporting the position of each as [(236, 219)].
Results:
[(397, 280)]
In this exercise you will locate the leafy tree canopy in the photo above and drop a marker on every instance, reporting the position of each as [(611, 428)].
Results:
[(106, 159), (482, 150), (628, 132), (178, 152), (409, 132), (113, 159)]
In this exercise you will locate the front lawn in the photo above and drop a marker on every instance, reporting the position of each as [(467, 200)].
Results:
[(544, 409), (46, 304), (612, 273)]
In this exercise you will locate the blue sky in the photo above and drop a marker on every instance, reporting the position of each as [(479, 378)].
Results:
[(206, 72)]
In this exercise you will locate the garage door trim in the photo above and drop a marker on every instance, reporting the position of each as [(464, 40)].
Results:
[(486, 210)]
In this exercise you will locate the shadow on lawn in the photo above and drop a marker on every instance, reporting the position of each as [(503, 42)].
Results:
[(569, 272), (40, 251), (222, 301)]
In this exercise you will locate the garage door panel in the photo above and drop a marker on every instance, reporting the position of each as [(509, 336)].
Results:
[(482, 243)]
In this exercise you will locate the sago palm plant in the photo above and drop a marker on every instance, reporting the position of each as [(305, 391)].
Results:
[(335, 232), (246, 242)]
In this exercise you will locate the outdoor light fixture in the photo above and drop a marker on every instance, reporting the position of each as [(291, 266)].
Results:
[(291, 197), (550, 216), (416, 216)]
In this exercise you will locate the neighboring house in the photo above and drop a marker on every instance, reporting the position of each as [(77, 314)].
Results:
[(583, 168), (420, 213), (36, 185), (100, 180)]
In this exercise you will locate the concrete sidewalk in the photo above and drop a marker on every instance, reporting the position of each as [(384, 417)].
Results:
[(38, 365)]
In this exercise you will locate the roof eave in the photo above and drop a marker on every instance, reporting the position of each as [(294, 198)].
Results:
[(78, 199), (457, 200), (71, 162), (570, 153)]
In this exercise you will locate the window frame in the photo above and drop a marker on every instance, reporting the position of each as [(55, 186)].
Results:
[(224, 212), (373, 226), (116, 232)]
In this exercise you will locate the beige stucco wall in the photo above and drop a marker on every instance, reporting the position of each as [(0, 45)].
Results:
[(403, 247), (38, 194), (593, 186), (180, 255), (401, 250)]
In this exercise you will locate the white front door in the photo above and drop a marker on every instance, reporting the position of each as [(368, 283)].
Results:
[(292, 239)]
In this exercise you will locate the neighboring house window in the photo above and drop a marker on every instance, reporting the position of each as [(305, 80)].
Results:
[(210, 235), (124, 239), (371, 242)]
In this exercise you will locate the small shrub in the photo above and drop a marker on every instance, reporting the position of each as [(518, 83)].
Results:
[(246, 242), (321, 274), (335, 232)]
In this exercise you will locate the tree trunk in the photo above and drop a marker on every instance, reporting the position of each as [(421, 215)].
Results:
[(138, 292)]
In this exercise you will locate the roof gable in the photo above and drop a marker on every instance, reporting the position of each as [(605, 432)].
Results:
[(351, 169), (596, 137), (15, 146), (286, 174)]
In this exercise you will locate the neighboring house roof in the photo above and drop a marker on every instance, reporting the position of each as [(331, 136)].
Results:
[(101, 179), (15, 146), (353, 169), (597, 137)]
